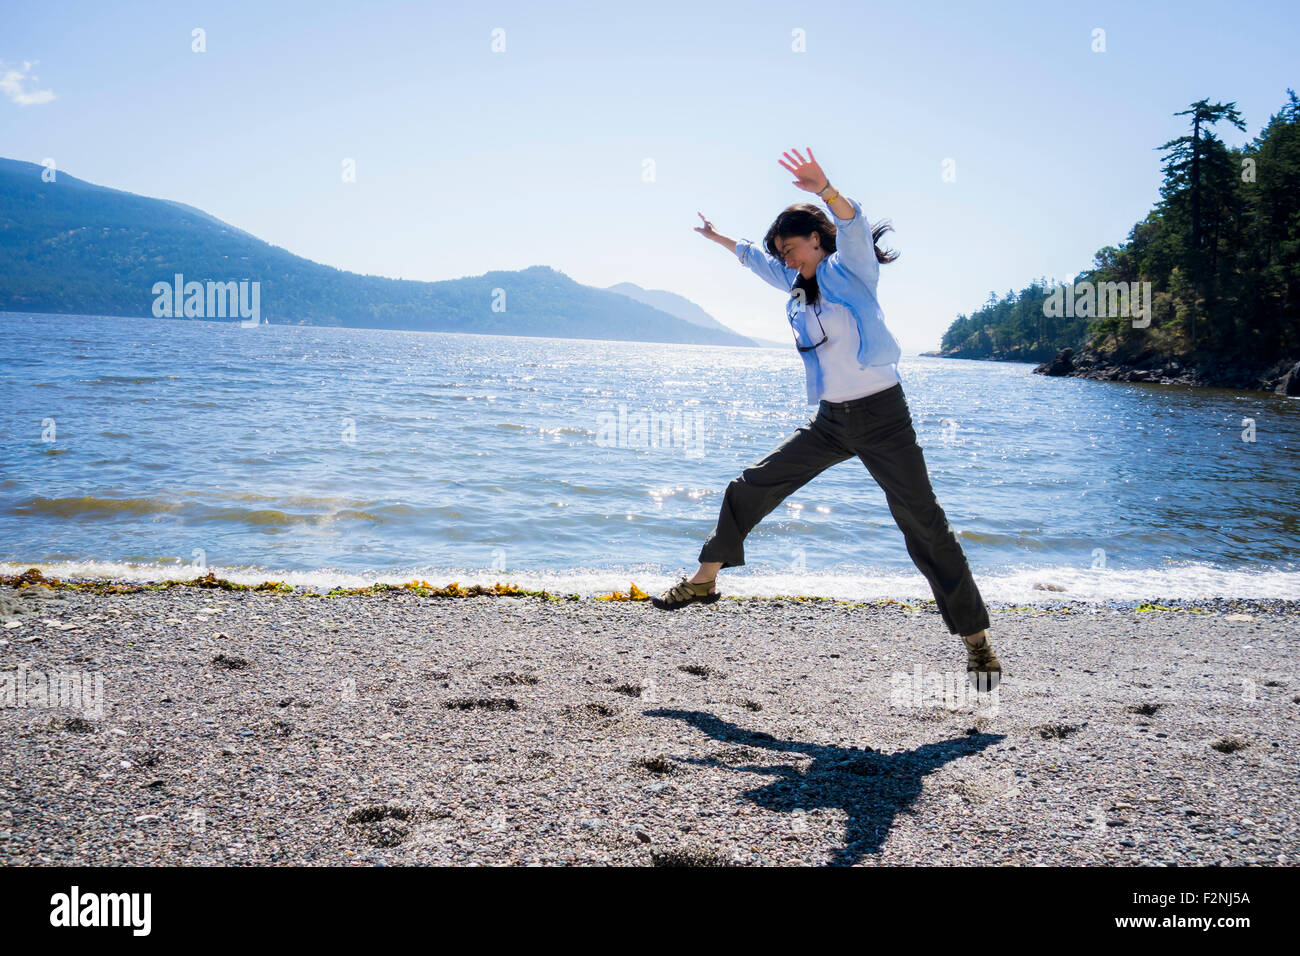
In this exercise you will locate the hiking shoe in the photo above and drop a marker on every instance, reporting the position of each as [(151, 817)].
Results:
[(683, 593), (982, 667)]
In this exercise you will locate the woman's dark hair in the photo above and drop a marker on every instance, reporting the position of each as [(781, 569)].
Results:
[(805, 218)]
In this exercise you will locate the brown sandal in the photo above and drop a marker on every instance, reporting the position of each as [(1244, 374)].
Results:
[(683, 593), (982, 665)]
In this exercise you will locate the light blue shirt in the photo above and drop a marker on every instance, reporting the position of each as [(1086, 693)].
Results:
[(848, 276)]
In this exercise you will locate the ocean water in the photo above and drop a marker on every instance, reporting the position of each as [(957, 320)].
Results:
[(142, 449)]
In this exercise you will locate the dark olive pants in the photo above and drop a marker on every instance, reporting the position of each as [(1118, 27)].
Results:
[(878, 430)]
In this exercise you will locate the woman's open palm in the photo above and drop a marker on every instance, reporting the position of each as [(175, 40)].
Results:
[(808, 174), (707, 230)]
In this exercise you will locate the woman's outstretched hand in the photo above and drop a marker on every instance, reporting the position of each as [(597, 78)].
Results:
[(706, 230), (808, 174)]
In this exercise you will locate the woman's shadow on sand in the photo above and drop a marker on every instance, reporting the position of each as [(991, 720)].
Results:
[(870, 787)]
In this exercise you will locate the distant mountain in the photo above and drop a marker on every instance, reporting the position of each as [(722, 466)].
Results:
[(70, 246), (683, 308)]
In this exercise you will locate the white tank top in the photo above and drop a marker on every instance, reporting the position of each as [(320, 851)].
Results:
[(843, 379)]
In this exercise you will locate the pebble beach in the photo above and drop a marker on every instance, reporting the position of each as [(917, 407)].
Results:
[(243, 727)]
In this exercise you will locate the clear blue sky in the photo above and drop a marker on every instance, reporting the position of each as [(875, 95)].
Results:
[(469, 160)]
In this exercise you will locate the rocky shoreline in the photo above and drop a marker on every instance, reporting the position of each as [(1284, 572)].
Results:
[(274, 727), (1034, 355), (1280, 378)]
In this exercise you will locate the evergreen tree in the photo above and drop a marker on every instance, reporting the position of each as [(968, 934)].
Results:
[(1221, 250)]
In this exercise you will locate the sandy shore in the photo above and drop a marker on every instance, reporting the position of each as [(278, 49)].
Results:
[(266, 728)]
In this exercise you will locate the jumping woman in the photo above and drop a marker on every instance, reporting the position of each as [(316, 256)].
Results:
[(830, 270)]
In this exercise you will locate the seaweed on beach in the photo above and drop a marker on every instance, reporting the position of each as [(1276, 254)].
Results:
[(1147, 607), (32, 577), (452, 590), (210, 580), (634, 593)]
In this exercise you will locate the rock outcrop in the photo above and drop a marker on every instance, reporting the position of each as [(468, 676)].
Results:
[(1282, 377)]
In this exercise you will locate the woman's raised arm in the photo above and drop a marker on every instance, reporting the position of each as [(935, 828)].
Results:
[(854, 243), (756, 259), (708, 232)]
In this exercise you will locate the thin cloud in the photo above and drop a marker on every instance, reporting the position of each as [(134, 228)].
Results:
[(13, 83)]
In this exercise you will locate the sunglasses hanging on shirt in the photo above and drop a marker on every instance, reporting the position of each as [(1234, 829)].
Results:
[(794, 306)]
